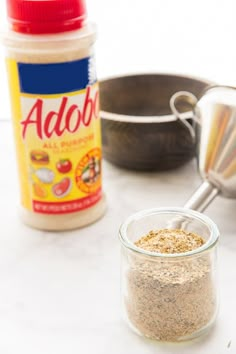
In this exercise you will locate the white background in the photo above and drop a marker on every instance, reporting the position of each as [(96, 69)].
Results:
[(185, 36)]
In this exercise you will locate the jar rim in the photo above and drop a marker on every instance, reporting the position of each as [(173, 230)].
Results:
[(211, 242)]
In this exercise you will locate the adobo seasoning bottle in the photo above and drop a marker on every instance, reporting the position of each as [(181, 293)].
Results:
[(55, 107)]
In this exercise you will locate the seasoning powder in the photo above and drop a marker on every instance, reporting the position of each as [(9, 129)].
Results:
[(170, 299)]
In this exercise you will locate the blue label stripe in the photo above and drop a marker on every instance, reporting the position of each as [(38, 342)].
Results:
[(46, 79)]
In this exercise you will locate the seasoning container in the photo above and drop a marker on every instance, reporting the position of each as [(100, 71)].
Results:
[(169, 294), (55, 109)]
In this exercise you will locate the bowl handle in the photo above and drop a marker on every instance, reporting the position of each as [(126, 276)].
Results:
[(189, 98)]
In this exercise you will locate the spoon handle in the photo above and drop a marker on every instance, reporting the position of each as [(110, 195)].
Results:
[(202, 197)]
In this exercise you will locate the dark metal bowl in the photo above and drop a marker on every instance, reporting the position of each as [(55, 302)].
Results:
[(138, 130)]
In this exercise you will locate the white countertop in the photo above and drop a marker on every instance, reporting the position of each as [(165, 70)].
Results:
[(60, 293)]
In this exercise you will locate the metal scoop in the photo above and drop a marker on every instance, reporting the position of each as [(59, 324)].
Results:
[(214, 128)]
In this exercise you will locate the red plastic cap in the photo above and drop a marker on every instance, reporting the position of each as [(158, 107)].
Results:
[(46, 16)]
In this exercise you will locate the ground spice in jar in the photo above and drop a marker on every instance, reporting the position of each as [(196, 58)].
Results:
[(170, 298), (170, 241)]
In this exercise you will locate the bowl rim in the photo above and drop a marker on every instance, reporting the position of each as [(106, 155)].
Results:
[(116, 117)]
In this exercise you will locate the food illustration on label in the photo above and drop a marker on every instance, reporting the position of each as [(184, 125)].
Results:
[(45, 175), (64, 166), (39, 157), (39, 191), (62, 189), (91, 172), (88, 171)]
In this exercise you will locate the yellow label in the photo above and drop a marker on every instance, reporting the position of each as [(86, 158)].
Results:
[(58, 138)]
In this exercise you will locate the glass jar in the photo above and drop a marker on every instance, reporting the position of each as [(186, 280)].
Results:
[(169, 297)]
